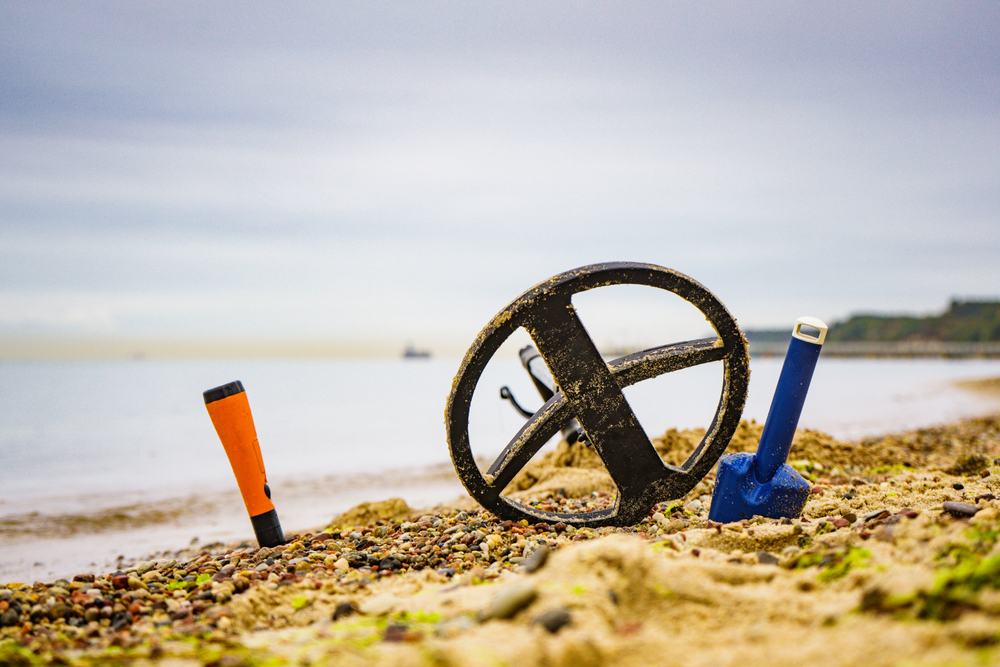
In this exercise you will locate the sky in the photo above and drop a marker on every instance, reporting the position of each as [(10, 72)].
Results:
[(377, 173)]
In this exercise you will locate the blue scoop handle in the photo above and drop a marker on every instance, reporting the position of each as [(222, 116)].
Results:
[(789, 397)]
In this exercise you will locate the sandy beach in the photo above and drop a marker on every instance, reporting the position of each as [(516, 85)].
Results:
[(895, 560)]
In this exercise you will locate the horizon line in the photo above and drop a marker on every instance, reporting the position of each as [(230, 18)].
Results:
[(176, 348)]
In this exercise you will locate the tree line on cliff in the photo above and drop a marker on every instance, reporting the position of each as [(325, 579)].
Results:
[(963, 322)]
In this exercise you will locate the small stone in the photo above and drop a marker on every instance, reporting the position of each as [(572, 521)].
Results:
[(877, 514), (960, 510), (58, 610), (217, 612), (119, 621), (851, 517), (694, 506), (342, 565), (401, 633), (510, 600), (841, 522), (343, 610), (357, 558), (958, 486), (179, 614), (767, 558), (536, 559), (389, 563), (553, 620)]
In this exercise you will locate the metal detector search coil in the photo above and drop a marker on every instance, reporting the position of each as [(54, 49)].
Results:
[(590, 392), (230, 412)]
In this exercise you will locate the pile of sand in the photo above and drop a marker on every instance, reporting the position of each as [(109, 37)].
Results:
[(896, 560)]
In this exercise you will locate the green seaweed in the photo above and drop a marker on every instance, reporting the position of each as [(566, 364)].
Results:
[(15, 655), (966, 569), (833, 564)]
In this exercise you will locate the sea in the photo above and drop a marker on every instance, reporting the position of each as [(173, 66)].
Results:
[(106, 463)]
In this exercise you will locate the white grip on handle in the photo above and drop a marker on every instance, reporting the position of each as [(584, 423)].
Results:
[(813, 323)]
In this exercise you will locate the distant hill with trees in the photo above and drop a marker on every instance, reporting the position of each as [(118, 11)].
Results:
[(963, 322)]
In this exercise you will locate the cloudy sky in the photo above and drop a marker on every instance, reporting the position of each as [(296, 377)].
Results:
[(391, 172)]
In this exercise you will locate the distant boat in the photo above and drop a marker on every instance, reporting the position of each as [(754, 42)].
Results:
[(413, 353)]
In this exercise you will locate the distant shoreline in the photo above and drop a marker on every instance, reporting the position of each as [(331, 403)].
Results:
[(138, 349), (888, 350)]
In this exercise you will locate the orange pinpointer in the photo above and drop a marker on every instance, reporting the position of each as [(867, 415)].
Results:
[(230, 412)]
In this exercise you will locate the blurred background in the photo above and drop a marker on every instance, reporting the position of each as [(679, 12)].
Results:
[(181, 178)]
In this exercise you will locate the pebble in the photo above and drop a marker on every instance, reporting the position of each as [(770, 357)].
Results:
[(536, 559), (694, 506), (767, 558), (389, 563), (510, 600), (877, 514), (553, 620), (960, 510), (343, 610)]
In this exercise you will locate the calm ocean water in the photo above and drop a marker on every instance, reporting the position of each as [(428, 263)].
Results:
[(81, 436), (93, 427)]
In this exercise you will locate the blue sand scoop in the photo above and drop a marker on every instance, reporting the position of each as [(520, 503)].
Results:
[(762, 484)]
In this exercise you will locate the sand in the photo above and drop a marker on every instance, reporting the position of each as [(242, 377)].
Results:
[(883, 568)]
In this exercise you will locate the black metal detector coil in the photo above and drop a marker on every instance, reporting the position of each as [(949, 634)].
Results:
[(590, 391)]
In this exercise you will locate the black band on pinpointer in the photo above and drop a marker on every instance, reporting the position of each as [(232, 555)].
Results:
[(267, 529), (225, 391)]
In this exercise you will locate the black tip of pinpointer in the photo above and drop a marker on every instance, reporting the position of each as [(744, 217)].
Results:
[(224, 391), (267, 528)]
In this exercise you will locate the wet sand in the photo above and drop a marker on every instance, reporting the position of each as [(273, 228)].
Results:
[(896, 560), (103, 535)]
